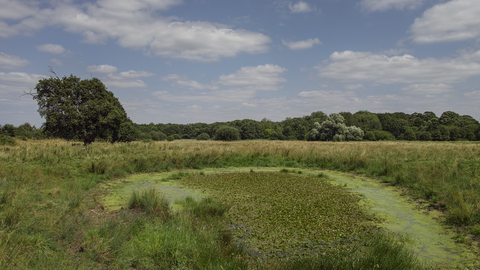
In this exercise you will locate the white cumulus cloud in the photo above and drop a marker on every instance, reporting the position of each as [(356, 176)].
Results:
[(51, 48), (137, 24), (301, 45), (183, 81), (383, 5), (427, 88), (8, 61), (451, 21), (56, 62), (263, 77), (135, 74), (126, 79), (17, 9), (353, 86), (407, 69), (102, 69), (21, 78), (216, 96), (301, 7)]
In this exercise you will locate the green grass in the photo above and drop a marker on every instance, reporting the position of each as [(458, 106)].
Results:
[(50, 206), (381, 251), (150, 202)]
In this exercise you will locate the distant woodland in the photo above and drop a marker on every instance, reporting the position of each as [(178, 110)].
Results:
[(426, 126)]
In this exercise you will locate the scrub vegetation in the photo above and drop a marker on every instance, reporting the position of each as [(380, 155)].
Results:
[(51, 214)]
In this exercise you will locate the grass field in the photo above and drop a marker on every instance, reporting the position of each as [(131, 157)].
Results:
[(51, 217)]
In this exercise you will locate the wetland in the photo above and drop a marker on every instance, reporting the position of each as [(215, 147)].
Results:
[(285, 213), (210, 205)]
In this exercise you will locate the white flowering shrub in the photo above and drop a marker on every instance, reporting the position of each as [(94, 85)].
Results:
[(333, 129)]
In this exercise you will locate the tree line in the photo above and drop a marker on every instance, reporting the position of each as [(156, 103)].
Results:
[(85, 110), (450, 126), (427, 126)]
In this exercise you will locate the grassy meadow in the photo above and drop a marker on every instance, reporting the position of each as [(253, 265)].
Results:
[(51, 215)]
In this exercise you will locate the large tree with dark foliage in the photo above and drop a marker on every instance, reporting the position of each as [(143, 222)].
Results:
[(81, 109)]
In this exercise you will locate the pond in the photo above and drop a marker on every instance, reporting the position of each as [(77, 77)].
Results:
[(431, 240)]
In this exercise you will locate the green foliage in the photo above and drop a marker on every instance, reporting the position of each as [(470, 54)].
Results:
[(150, 202), (382, 251), (277, 134), (400, 125), (381, 135), (441, 133), (227, 133), (180, 243), (8, 130), (80, 109), (249, 129), (475, 230), (367, 121), (177, 137), (170, 138), (203, 137), (370, 136), (348, 118), (7, 140), (449, 118), (333, 129), (409, 134), (205, 208), (424, 136), (127, 132)]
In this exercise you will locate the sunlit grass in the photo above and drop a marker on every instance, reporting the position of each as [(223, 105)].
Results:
[(49, 200)]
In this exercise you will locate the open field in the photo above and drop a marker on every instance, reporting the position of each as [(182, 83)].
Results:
[(51, 216)]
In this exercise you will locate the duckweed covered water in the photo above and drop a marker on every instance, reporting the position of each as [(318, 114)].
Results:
[(164, 183), (277, 215), (427, 237)]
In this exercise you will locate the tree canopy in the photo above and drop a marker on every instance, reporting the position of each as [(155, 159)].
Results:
[(81, 109)]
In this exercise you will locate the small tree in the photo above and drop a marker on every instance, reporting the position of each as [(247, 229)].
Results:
[(81, 109), (227, 133), (333, 129), (8, 130)]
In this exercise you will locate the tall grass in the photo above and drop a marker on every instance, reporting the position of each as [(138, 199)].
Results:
[(49, 203), (150, 202), (380, 252)]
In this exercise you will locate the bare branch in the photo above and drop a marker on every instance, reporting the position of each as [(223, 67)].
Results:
[(51, 71), (28, 93)]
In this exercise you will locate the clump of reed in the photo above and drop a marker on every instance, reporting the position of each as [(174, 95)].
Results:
[(150, 202)]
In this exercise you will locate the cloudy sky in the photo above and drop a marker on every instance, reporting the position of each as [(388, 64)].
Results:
[(188, 61)]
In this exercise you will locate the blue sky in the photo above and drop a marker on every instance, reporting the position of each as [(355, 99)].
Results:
[(188, 61)]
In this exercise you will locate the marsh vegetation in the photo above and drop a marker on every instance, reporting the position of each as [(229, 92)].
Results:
[(52, 216)]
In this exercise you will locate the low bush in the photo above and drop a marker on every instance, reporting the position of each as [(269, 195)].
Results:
[(370, 136), (203, 137), (227, 133), (381, 135), (6, 140)]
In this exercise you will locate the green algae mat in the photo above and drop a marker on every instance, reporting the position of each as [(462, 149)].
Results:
[(287, 215), (277, 214)]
